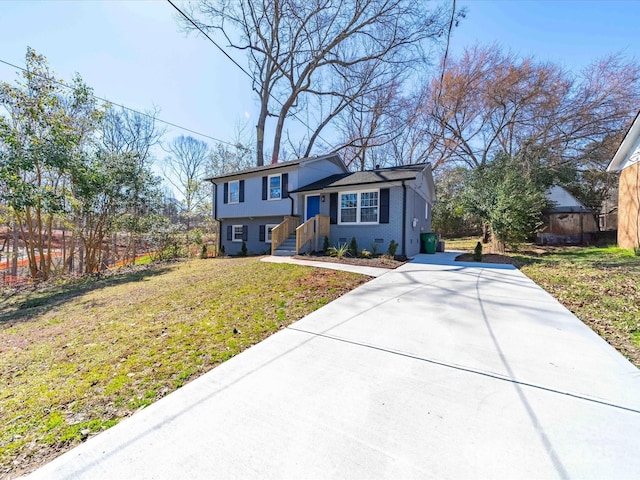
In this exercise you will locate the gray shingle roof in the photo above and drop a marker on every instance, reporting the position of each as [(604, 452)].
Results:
[(382, 175), (271, 166)]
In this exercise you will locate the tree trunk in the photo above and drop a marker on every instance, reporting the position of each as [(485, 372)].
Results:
[(16, 251), (260, 140), (486, 234), (262, 121)]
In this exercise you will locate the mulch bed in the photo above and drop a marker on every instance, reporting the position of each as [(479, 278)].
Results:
[(386, 262), (380, 262)]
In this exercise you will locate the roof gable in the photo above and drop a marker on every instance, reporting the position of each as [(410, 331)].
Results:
[(276, 166), (368, 177), (561, 197), (629, 150)]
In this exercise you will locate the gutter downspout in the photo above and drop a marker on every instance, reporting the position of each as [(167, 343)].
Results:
[(404, 217), (290, 198), (214, 198)]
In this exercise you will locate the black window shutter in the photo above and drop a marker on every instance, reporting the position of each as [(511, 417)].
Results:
[(384, 205), (333, 208), (285, 185), (245, 233), (241, 191), (226, 193), (262, 232), (264, 188), (229, 232)]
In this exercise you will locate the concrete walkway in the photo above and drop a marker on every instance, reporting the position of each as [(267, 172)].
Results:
[(345, 267), (433, 370)]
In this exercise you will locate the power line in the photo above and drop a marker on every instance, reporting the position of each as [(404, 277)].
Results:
[(446, 51), (190, 20), (122, 106)]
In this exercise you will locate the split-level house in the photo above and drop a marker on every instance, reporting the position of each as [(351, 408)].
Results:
[(626, 161), (289, 207)]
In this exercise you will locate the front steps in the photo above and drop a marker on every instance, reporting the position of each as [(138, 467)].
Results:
[(288, 248)]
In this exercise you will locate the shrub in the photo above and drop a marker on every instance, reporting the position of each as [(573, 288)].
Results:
[(167, 243), (325, 244), (222, 251), (636, 250), (374, 249), (203, 253), (353, 247), (393, 247), (195, 236), (339, 251), (243, 250), (477, 252), (365, 253)]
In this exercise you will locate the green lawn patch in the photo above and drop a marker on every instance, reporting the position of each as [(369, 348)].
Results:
[(77, 358)]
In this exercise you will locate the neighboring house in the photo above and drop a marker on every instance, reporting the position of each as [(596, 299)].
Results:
[(627, 162), (262, 206), (568, 221)]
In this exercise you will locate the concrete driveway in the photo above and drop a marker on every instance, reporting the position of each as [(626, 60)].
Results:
[(434, 370)]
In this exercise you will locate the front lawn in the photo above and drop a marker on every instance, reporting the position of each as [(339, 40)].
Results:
[(76, 359)]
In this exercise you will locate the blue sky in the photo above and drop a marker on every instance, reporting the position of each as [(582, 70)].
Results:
[(133, 53)]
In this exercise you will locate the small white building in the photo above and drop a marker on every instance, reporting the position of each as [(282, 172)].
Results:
[(569, 221)]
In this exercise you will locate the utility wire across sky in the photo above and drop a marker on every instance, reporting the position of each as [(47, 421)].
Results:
[(123, 106), (248, 74), (171, 124)]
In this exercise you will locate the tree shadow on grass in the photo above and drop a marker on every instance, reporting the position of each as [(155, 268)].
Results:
[(587, 257), (26, 305), (524, 260)]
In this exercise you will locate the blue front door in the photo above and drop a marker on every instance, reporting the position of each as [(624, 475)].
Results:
[(313, 206)]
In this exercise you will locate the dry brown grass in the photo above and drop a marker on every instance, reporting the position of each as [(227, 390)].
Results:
[(76, 359)]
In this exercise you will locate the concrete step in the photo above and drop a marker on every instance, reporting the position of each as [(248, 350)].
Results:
[(284, 253), (287, 249)]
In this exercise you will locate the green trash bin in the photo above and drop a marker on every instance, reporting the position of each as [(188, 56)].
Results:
[(428, 242)]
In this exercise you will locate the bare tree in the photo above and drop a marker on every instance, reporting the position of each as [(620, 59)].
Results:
[(369, 123), (489, 101), (133, 134), (128, 132), (184, 169), (296, 48), (227, 158)]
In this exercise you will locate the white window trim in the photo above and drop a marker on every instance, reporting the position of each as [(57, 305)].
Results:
[(237, 182), (358, 207), (267, 234), (269, 197), (233, 233)]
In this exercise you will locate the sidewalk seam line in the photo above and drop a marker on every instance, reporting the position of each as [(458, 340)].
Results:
[(466, 369)]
